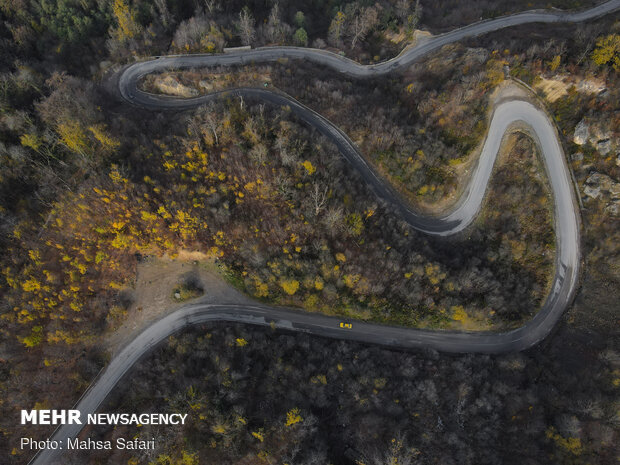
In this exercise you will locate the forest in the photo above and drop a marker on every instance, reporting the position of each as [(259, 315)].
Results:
[(257, 396), (90, 186)]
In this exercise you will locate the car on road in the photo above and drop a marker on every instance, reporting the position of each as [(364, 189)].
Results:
[(346, 325)]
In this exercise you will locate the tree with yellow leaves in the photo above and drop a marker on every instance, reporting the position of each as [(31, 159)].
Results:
[(127, 28), (289, 286), (186, 458), (101, 134), (607, 51), (293, 417), (74, 137), (337, 28)]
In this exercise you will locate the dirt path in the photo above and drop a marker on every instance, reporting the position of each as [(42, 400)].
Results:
[(153, 290)]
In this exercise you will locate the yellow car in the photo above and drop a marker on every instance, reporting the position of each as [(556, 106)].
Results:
[(346, 325)]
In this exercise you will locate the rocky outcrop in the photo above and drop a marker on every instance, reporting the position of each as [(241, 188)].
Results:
[(596, 133), (602, 187), (603, 146), (599, 132), (591, 86), (582, 133), (557, 86)]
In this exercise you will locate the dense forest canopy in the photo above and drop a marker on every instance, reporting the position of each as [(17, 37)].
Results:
[(90, 186)]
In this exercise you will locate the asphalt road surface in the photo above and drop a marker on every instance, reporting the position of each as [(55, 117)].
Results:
[(504, 116)]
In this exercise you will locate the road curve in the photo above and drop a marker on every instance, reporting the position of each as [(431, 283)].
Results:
[(337, 62), (563, 287), (464, 210), (505, 115)]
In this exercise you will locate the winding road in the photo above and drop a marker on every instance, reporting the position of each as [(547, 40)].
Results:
[(505, 115)]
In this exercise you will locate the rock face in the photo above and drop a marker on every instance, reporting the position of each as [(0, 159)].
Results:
[(604, 146), (597, 133), (591, 86), (206, 84), (582, 133), (601, 186)]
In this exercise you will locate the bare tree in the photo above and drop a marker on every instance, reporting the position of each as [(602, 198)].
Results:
[(318, 197), (212, 5), (362, 24), (259, 154), (276, 30), (402, 9), (585, 37), (247, 32), (164, 14), (251, 130), (396, 452), (333, 220), (273, 24), (408, 13), (281, 145), (190, 32), (207, 118), (417, 15)]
